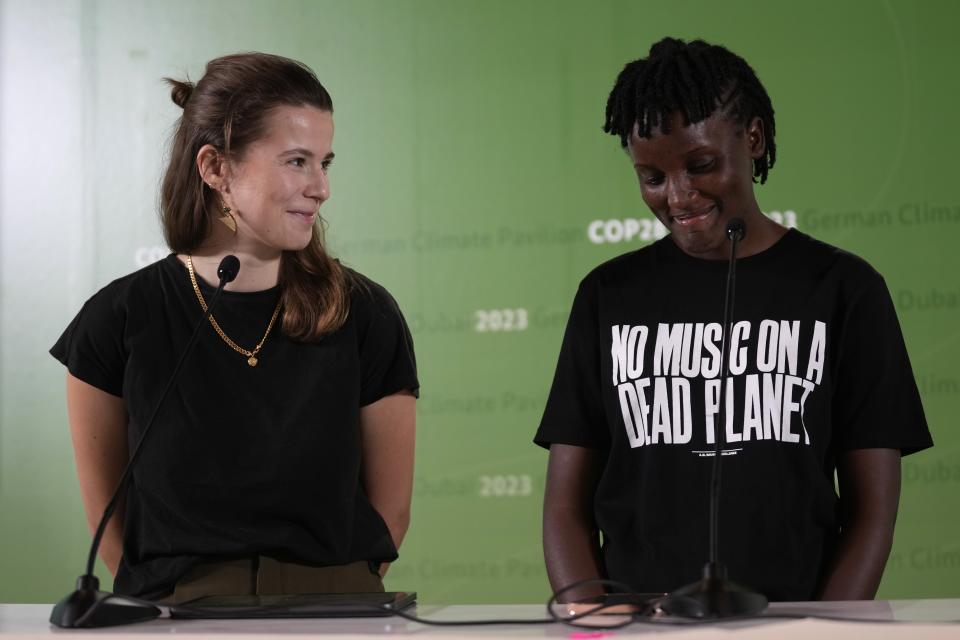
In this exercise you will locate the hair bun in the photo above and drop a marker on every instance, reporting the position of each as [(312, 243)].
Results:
[(667, 47), (180, 91)]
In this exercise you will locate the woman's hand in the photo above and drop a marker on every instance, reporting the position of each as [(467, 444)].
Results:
[(869, 496), (98, 427), (571, 542), (387, 434)]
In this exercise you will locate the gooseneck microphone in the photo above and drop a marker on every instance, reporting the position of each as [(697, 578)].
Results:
[(714, 596), (228, 270), (87, 606)]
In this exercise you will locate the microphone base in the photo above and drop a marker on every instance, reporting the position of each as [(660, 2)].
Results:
[(713, 597), (87, 607)]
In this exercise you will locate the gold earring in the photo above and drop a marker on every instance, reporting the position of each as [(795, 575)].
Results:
[(228, 219)]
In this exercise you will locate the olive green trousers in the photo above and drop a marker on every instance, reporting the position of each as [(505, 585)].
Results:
[(266, 576)]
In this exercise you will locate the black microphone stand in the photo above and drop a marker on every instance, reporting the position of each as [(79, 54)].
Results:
[(714, 596), (87, 606)]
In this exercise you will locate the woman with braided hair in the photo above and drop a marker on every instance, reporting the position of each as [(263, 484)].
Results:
[(820, 383), (282, 462)]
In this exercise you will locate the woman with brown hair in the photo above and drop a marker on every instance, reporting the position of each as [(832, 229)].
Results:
[(282, 462)]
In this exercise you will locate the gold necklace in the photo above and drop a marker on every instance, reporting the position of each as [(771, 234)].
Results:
[(251, 355)]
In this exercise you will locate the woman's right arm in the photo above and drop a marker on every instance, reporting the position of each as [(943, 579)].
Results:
[(571, 542), (98, 427)]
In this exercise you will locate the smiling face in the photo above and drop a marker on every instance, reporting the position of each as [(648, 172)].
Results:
[(696, 178), (277, 186)]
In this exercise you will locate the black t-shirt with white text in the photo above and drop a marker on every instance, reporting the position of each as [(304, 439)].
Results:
[(242, 461), (818, 367)]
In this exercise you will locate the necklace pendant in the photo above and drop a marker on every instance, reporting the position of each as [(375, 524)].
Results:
[(252, 361)]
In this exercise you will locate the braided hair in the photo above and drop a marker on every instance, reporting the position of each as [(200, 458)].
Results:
[(694, 79)]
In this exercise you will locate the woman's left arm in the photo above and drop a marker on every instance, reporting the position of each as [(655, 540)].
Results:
[(869, 482), (387, 433)]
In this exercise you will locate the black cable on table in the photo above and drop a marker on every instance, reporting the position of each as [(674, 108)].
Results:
[(645, 614)]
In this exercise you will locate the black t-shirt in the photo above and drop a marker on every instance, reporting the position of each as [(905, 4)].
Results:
[(818, 367), (242, 460)]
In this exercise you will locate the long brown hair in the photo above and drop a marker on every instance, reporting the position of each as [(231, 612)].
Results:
[(227, 108)]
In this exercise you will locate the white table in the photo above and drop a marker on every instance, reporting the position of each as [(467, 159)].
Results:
[(916, 620)]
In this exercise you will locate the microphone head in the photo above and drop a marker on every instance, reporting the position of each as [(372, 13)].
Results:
[(229, 268), (736, 227)]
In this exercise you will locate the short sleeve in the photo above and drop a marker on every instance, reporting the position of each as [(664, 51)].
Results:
[(876, 401), (387, 361), (574, 413), (92, 345)]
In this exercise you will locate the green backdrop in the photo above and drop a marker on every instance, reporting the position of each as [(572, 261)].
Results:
[(473, 181)]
